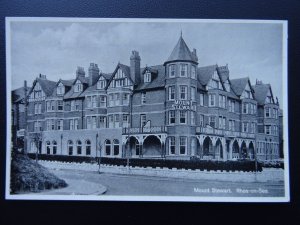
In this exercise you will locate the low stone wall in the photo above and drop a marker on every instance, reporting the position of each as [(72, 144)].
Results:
[(268, 174)]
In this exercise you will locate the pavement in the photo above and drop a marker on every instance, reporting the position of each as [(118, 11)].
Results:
[(77, 187)]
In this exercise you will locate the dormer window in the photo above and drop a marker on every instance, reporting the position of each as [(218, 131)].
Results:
[(101, 83), (147, 77), (60, 89), (183, 70), (78, 87)]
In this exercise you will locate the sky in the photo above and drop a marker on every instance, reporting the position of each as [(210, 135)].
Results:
[(55, 49)]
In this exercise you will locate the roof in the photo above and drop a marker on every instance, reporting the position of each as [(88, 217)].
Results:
[(84, 80), (157, 82), (260, 92), (107, 76), (181, 52), (18, 94), (46, 85), (66, 82), (223, 72), (238, 85), (205, 73)]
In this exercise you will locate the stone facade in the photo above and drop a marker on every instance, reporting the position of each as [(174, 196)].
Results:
[(176, 110)]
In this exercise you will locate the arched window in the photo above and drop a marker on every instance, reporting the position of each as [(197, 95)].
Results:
[(54, 144), (79, 147), (116, 147), (87, 147), (107, 147), (70, 147), (48, 147)]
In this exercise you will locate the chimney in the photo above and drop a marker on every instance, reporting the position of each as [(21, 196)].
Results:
[(80, 72), (42, 76), (93, 73), (135, 67), (194, 53)]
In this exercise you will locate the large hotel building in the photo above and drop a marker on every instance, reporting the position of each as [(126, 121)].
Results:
[(176, 110)]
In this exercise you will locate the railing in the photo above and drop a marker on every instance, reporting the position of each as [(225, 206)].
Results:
[(226, 133), (144, 130)]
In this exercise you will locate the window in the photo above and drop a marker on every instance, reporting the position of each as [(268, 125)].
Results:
[(193, 72), (87, 147), (193, 119), (110, 121), (231, 105), (267, 129), (107, 147), (245, 126), (183, 92), (253, 128), (117, 120), (183, 145), (59, 124), (222, 101), (231, 125), (211, 99), (117, 97), (183, 70), (172, 70), (88, 123), (37, 126), (48, 147), (101, 83), (36, 108), (70, 147), (182, 117), (52, 105), (94, 101), (102, 101), (201, 120), (245, 108), (215, 84), (94, 122), (125, 99), (171, 117), (79, 147), (73, 105), (116, 144), (54, 147), (212, 121), (143, 120), (267, 112), (171, 92), (102, 121), (125, 120), (193, 93), (111, 100), (137, 148), (48, 125), (143, 99), (222, 122), (201, 99), (172, 145), (78, 87), (60, 105), (60, 89), (71, 124), (147, 77), (52, 124)]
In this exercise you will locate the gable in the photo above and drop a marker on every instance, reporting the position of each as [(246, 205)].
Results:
[(36, 92), (120, 78), (247, 93), (215, 81), (269, 97)]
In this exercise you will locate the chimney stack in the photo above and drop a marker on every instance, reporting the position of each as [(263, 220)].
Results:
[(93, 73), (194, 53), (80, 72), (135, 67)]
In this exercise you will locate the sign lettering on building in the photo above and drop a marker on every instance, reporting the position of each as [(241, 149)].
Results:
[(182, 104)]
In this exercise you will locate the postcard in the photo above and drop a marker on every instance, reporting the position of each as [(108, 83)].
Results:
[(147, 110)]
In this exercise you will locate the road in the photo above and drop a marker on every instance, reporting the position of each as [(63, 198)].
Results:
[(157, 186)]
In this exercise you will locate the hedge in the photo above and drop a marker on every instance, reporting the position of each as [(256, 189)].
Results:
[(193, 164)]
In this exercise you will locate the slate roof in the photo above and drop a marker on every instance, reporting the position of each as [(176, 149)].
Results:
[(238, 85), (84, 80), (157, 82), (107, 76), (46, 85), (18, 94), (67, 82), (260, 92), (181, 52), (205, 73)]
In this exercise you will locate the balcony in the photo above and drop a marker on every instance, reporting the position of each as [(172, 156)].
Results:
[(144, 130), (224, 133)]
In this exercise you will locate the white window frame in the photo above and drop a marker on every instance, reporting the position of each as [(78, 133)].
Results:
[(183, 91), (183, 138), (212, 100), (183, 70), (183, 115), (171, 90), (172, 144), (172, 70), (172, 115)]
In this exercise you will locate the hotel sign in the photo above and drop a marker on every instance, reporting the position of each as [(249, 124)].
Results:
[(182, 104)]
